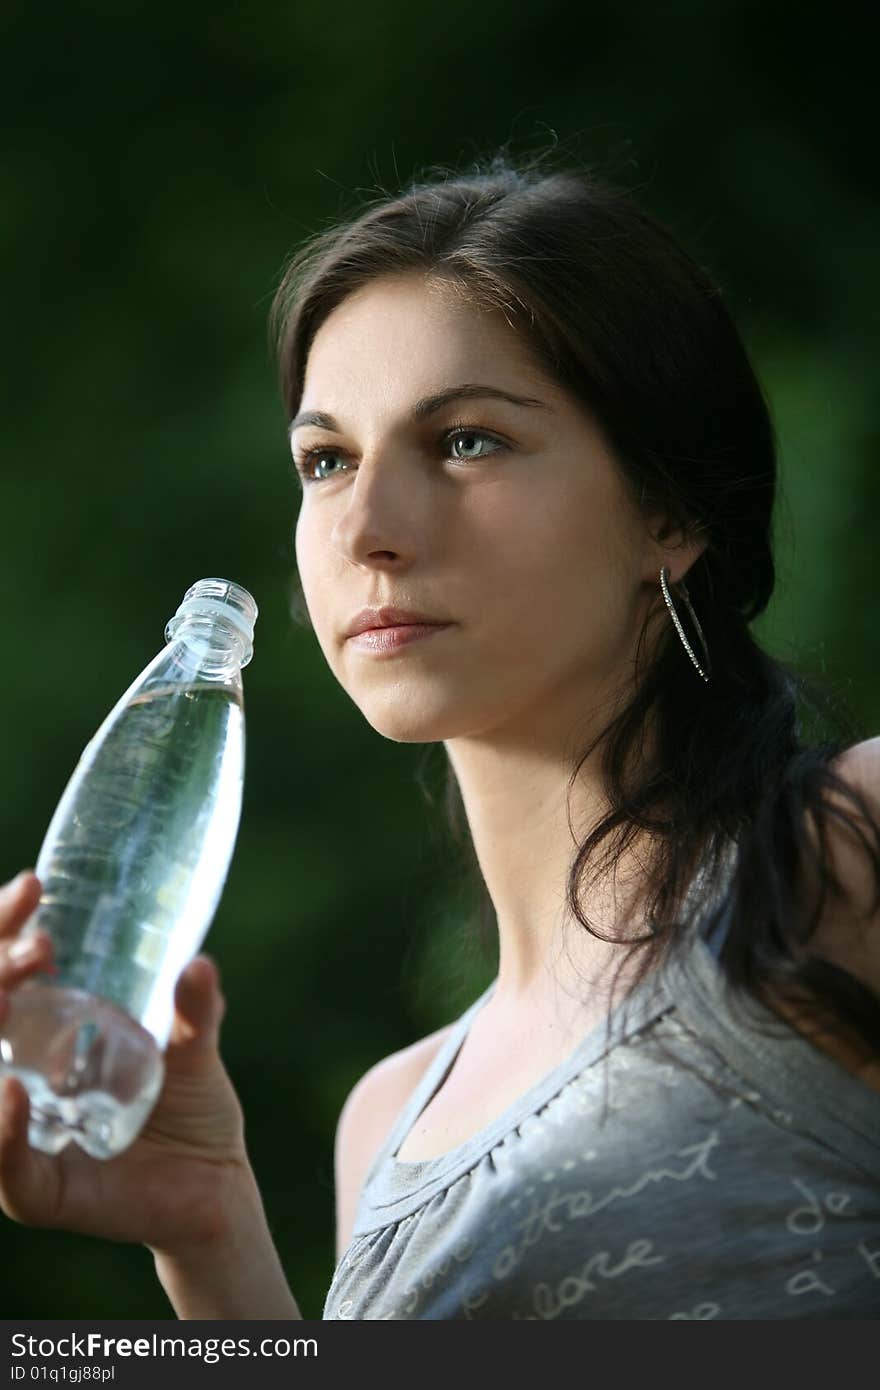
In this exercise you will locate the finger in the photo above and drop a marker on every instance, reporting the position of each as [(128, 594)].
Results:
[(199, 1008), (18, 900), (26, 1188), (24, 956)]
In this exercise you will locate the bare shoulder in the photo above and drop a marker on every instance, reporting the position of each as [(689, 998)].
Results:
[(367, 1116), (860, 765), (849, 930)]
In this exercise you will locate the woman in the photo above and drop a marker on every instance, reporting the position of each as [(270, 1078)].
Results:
[(537, 481)]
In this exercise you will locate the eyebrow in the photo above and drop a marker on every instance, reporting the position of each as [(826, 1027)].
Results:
[(427, 405)]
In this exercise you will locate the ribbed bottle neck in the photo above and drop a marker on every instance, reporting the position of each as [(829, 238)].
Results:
[(215, 621)]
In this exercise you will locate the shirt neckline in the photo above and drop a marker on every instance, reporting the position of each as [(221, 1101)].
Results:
[(589, 1048), (395, 1186)]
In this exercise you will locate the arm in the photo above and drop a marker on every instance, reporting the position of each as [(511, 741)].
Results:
[(184, 1188), (237, 1274)]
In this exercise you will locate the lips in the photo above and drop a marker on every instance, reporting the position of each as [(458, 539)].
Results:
[(387, 641), (370, 618)]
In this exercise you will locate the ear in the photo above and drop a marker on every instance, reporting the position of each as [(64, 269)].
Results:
[(676, 545)]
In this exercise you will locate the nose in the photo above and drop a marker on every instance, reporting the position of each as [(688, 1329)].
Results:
[(378, 516)]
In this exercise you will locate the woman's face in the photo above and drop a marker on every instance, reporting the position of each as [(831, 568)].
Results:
[(509, 521)]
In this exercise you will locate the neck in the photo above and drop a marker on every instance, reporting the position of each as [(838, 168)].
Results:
[(526, 826)]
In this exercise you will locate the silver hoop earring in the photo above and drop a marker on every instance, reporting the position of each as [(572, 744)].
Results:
[(664, 576)]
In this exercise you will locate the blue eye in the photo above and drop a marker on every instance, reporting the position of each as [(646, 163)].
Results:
[(458, 434), (310, 459), (309, 456)]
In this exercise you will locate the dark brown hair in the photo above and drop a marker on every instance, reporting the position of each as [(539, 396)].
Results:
[(615, 310)]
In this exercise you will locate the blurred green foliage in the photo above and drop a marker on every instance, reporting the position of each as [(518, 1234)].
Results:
[(159, 162)]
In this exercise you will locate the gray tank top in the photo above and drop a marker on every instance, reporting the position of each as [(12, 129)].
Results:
[(692, 1167)]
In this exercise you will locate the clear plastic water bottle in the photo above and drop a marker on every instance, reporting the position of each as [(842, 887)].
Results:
[(132, 868)]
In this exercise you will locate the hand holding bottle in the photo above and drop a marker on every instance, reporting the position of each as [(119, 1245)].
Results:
[(132, 867), (181, 1184), (113, 1041)]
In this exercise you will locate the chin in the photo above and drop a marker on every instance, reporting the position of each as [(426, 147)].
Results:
[(405, 713), (403, 716), (403, 726)]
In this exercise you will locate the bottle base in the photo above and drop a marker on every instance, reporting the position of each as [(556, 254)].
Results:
[(92, 1074), (100, 1126)]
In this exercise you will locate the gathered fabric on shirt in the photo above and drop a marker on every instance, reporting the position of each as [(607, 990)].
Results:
[(686, 1162)]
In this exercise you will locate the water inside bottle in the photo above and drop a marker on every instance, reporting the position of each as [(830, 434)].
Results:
[(130, 884), (92, 1074)]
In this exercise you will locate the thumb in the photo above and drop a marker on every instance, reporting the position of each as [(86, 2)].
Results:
[(199, 1007)]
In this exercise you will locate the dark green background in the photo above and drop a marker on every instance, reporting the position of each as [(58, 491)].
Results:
[(159, 162)]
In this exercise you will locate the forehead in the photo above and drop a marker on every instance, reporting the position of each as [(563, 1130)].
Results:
[(412, 328)]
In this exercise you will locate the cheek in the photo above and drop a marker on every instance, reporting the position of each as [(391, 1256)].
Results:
[(309, 559), (301, 553), (301, 537), (562, 592), (564, 562), (309, 550)]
